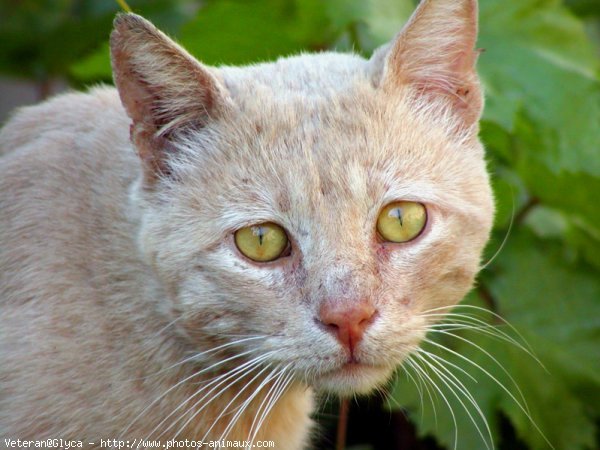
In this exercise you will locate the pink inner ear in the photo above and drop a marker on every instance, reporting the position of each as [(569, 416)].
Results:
[(136, 97), (456, 79)]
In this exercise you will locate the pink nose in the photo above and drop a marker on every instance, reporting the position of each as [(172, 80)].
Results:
[(347, 320)]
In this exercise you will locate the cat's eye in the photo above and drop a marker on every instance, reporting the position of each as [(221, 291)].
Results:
[(263, 242), (401, 221)]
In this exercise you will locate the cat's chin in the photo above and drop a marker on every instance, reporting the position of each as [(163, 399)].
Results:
[(353, 379)]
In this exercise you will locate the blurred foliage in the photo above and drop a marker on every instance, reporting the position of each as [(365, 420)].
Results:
[(542, 131), (43, 38)]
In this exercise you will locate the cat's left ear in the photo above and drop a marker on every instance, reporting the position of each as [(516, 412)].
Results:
[(435, 55), (164, 90)]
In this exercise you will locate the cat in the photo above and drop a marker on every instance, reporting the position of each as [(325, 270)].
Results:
[(195, 253)]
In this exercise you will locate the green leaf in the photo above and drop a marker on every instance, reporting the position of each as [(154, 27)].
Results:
[(242, 32), (540, 71), (584, 7), (556, 398), (41, 38), (539, 290), (368, 23), (556, 305), (579, 236), (94, 67)]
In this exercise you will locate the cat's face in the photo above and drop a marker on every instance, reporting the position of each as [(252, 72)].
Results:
[(318, 145)]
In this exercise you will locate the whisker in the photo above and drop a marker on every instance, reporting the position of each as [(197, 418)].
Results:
[(198, 391), (273, 387), (197, 356), (432, 355), (245, 368), (524, 409), (485, 327), (276, 396), (224, 411), (506, 236), (448, 378), (492, 313), (170, 324), (418, 387), (488, 354), (443, 396), (482, 328), (175, 386), (262, 408), (246, 403)]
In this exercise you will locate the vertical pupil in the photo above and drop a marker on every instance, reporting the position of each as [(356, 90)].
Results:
[(397, 212), (260, 235)]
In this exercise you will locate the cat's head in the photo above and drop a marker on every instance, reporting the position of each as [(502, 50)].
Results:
[(317, 164)]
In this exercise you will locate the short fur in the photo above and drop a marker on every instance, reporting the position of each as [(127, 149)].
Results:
[(114, 271)]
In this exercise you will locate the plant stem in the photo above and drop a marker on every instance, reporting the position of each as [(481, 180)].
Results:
[(44, 88), (342, 424), (526, 209), (486, 295)]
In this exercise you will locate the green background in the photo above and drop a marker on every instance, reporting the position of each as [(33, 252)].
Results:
[(541, 128)]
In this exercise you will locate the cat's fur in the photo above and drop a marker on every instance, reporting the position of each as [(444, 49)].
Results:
[(114, 271)]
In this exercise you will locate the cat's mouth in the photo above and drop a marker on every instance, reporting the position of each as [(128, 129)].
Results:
[(353, 377)]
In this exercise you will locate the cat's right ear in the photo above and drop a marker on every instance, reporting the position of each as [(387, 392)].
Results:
[(164, 90)]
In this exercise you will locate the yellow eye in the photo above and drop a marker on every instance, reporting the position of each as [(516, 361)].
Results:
[(264, 242), (401, 221)]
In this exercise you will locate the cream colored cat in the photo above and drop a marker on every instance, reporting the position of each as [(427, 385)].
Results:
[(283, 227)]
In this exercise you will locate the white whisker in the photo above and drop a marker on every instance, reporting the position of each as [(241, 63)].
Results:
[(197, 392), (246, 403), (483, 327), (159, 398), (197, 356), (449, 379), (489, 355), (523, 408), (506, 236), (240, 392), (276, 396), (170, 324), (492, 313), (245, 369), (441, 393), (418, 386), (432, 355)]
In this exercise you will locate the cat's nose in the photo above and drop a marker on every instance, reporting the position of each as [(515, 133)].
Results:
[(347, 320)]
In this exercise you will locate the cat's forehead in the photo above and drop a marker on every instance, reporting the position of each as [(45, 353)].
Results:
[(313, 110), (310, 75), (324, 117), (315, 134)]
